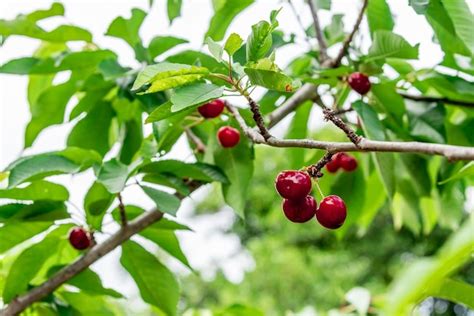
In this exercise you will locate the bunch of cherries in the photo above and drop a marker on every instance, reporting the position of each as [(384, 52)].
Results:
[(341, 160)]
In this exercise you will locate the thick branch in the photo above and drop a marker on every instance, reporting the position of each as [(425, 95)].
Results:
[(319, 33), (347, 42), (424, 98), (365, 145)]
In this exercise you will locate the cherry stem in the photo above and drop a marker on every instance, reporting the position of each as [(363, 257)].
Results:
[(319, 189)]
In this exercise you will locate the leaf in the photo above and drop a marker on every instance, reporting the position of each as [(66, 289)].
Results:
[(132, 141), (29, 263), (194, 95), (161, 44), (259, 41), (233, 43), (164, 111), (167, 240), (39, 166), (466, 171), (127, 29), (96, 203), (174, 9), (92, 132), (215, 48), (419, 6), (113, 175), (39, 211), (168, 180), (84, 304), (272, 80), (455, 291), (37, 190), (165, 75), (165, 202), (14, 233), (379, 16), (387, 44), (334, 32), (462, 18), (89, 282), (223, 16), (240, 310), (156, 283), (426, 121), (390, 100)]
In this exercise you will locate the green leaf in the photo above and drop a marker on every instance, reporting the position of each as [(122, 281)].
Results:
[(387, 96), (223, 16), (165, 76), (233, 43), (419, 6), (127, 29), (379, 16), (466, 171), (164, 111), (168, 180), (132, 141), (37, 190), (84, 304), (39, 166), (167, 240), (215, 48), (272, 80), (113, 175), (29, 263), (92, 132), (165, 202), (96, 203), (174, 9), (455, 291), (194, 95), (240, 310), (14, 233), (259, 41), (39, 211), (426, 121), (387, 44), (89, 282), (161, 44), (334, 32), (156, 283), (462, 18)]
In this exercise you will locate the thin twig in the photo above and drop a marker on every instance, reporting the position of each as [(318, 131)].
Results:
[(425, 98), (345, 45), (319, 33), (315, 170), (330, 116), (200, 147), (123, 214)]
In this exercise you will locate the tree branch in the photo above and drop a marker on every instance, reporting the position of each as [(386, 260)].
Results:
[(315, 170), (365, 145), (347, 42), (323, 55), (20, 303), (121, 207), (424, 98)]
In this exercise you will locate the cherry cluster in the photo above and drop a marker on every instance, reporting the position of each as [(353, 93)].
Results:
[(299, 206), (228, 136), (341, 160)]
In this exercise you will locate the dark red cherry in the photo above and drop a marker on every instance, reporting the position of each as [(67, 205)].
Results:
[(212, 109), (331, 212), (228, 136), (300, 211), (334, 164), (79, 238), (359, 82), (348, 163), (293, 185)]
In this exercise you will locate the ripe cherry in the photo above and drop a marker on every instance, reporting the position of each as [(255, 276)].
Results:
[(228, 136), (300, 211), (331, 212), (348, 163), (212, 109), (334, 164), (359, 82), (293, 185), (79, 238)]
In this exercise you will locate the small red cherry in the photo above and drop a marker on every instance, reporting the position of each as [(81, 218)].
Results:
[(300, 211), (212, 109), (348, 163), (334, 164), (331, 212), (228, 136), (359, 82), (293, 185), (79, 238)]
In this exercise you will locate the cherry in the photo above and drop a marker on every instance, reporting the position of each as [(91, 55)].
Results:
[(331, 212), (300, 211), (293, 185), (359, 82), (334, 164), (212, 109), (348, 163), (228, 136), (79, 238)]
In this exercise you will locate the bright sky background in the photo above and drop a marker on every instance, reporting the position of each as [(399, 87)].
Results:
[(207, 248)]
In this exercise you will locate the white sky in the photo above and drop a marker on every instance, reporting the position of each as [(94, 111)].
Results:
[(207, 247)]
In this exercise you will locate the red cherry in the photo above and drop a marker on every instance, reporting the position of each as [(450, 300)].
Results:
[(348, 163), (334, 164), (300, 211), (212, 109), (228, 136), (79, 238), (331, 212), (359, 82), (293, 185)]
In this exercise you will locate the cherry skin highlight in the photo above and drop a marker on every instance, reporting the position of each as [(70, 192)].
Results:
[(293, 185), (79, 238), (348, 163), (359, 82), (331, 212), (300, 211), (228, 136), (212, 109)]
